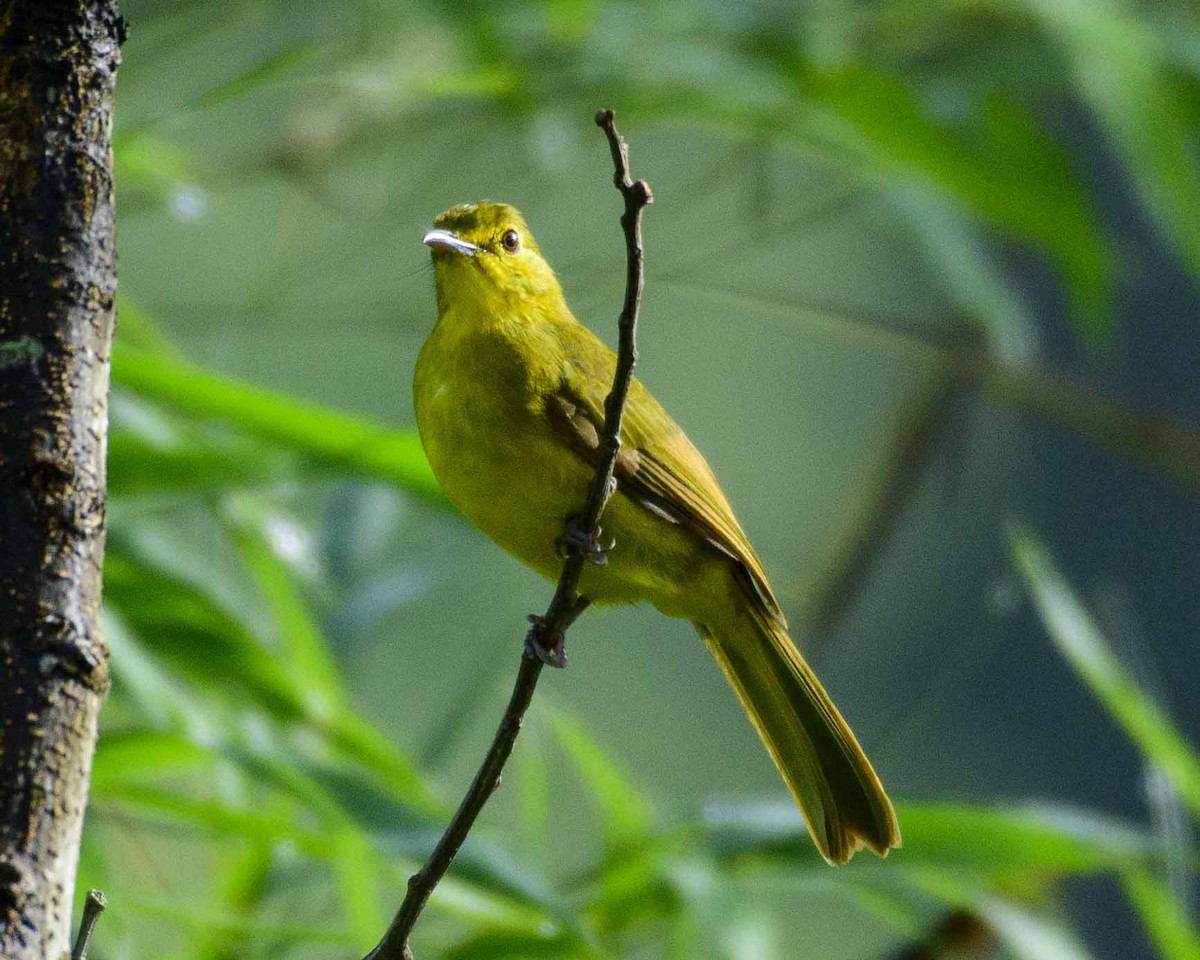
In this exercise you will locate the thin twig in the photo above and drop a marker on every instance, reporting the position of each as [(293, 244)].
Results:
[(93, 906), (636, 194), (566, 605)]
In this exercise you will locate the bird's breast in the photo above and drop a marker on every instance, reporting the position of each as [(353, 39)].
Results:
[(491, 448)]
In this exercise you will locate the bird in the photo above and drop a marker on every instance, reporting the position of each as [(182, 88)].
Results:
[(509, 392)]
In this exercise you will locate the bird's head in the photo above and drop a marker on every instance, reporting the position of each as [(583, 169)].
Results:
[(483, 252)]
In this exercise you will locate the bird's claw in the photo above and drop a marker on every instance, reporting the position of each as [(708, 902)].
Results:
[(552, 654), (577, 540)]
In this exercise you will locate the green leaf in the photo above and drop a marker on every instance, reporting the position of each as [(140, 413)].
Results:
[(645, 883), (139, 330), (345, 796), (1030, 934), (1079, 639), (339, 438), (1016, 178), (999, 166), (492, 913), (359, 742), (242, 875), (355, 868), (187, 461), (535, 801), (492, 946), (156, 805), (125, 757), (625, 813), (1166, 922), (268, 70), (208, 922), (984, 839), (303, 652), (1122, 69), (175, 619), (160, 698), (476, 693), (144, 162)]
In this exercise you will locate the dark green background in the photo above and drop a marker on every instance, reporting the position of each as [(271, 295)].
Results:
[(844, 192)]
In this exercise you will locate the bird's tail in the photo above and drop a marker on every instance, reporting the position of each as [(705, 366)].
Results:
[(842, 800)]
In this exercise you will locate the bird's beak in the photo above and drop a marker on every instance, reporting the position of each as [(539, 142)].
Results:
[(451, 241)]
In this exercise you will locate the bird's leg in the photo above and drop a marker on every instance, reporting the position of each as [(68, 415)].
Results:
[(544, 646), (578, 540), (546, 638)]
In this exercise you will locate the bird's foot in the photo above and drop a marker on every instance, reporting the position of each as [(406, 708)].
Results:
[(577, 540), (550, 649)]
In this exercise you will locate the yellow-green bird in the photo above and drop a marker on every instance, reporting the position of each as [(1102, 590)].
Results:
[(509, 392)]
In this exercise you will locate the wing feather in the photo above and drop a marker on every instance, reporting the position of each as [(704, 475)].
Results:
[(659, 466)]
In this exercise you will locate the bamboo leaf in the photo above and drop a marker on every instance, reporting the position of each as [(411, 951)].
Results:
[(351, 442), (1121, 68), (303, 652), (139, 466), (268, 70), (1032, 935), (624, 812), (983, 839), (1017, 178), (174, 619), (126, 756), (155, 805), (243, 875), (355, 869), (1079, 639), (208, 922), (1167, 924)]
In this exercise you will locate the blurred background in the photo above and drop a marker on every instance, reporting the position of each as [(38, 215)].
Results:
[(922, 284)]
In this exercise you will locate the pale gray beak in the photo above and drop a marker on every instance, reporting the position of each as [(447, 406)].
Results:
[(451, 241)]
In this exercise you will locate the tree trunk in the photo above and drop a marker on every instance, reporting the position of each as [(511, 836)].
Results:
[(58, 62)]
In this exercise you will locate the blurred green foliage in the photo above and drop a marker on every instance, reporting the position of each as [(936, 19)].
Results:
[(864, 173)]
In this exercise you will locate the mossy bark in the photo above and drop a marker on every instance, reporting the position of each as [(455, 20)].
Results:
[(58, 62)]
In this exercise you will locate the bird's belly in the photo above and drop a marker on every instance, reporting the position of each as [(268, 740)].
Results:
[(520, 498), (516, 481), (507, 473)]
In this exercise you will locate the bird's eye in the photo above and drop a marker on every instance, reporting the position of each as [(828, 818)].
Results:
[(511, 240)]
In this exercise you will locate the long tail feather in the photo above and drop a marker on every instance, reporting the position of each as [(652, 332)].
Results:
[(838, 792)]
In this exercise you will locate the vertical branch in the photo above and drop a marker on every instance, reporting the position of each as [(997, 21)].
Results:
[(636, 194), (566, 604), (58, 62)]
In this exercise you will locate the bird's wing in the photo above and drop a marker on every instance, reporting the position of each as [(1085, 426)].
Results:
[(658, 465)]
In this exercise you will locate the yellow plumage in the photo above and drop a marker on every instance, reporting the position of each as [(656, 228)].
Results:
[(509, 393)]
